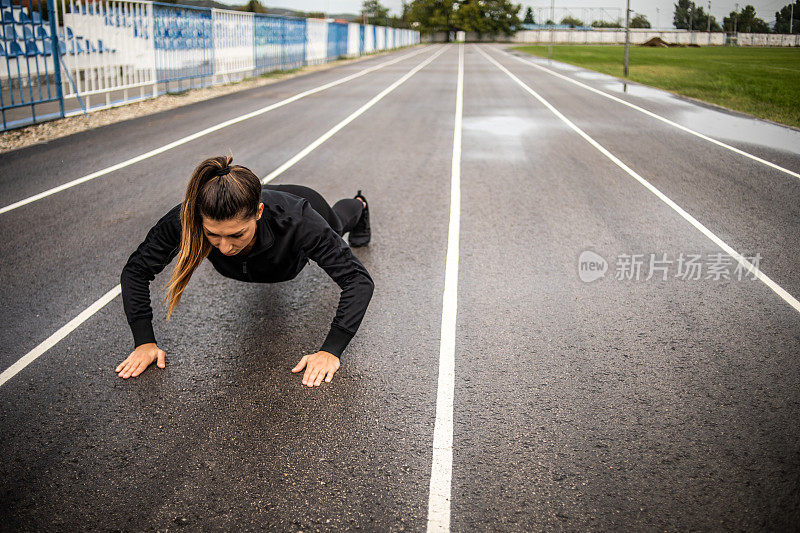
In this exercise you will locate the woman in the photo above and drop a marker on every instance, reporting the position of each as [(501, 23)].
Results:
[(256, 233)]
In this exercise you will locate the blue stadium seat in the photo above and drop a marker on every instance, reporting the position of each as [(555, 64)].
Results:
[(31, 49), (14, 50), (9, 32), (5, 3), (28, 33), (42, 32), (8, 17), (2, 50)]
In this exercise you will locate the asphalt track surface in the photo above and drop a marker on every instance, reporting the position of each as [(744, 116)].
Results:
[(611, 405)]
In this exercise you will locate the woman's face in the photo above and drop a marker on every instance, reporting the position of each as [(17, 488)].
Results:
[(233, 235)]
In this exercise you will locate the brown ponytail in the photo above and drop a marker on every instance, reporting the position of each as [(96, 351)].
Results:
[(218, 191)]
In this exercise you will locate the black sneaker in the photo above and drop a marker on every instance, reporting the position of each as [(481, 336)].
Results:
[(360, 234)]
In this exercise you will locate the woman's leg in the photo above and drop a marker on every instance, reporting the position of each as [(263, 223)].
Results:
[(349, 212), (341, 217)]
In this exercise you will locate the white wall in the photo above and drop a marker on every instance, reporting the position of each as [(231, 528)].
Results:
[(233, 43), (617, 36), (316, 41)]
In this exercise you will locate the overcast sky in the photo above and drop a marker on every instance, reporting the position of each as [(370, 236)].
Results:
[(719, 8)]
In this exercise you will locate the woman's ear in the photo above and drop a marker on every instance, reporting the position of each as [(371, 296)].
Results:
[(260, 210)]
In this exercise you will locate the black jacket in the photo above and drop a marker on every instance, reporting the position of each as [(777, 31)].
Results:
[(288, 234)]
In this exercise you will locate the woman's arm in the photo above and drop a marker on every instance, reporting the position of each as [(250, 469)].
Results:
[(157, 250), (325, 247)]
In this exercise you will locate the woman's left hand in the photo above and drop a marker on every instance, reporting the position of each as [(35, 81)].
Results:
[(318, 366)]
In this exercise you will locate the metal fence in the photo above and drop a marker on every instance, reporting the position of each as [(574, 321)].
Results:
[(30, 86), (114, 52), (639, 36)]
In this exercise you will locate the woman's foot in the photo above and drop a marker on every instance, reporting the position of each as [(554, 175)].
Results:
[(360, 234)]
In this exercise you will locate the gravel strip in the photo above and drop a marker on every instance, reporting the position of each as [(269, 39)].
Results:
[(47, 131)]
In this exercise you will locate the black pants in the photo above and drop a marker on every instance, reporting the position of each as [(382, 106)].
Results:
[(342, 217)]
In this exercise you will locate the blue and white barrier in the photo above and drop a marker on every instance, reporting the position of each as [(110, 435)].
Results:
[(113, 52)]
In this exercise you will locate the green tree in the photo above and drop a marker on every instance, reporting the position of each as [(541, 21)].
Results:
[(481, 16), (430, 16), (375, 13), (254, 6), (640, 21), (529, 16), (689, 16), (745, 21), (606, 24), (571, 21), (782, 18), (487, 17), (682, 18)]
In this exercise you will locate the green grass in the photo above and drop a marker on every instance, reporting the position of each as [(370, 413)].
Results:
[(764, 82)]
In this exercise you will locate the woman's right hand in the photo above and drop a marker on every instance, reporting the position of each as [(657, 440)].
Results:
[(142, 357)]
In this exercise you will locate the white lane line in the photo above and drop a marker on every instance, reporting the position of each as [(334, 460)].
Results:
[(53, 339), (331, 132), (204, 132), (657, 117), (442, 464), (110, 295), (788, 298)]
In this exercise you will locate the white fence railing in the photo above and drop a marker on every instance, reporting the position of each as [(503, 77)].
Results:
[(617, 36), (113, 51), (639, 36)]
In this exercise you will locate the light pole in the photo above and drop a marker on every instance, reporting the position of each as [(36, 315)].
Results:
[(552, 30), (627, 37), (708, 29)]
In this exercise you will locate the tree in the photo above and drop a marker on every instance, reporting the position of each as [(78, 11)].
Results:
[(490, 17), (782, 18), (605, 24), (745, 21), (640, 21), (529, 16), (689, 16), (572, 22), (481, 16), (375, 13), (254, 6), (683, 15), (430, 16)]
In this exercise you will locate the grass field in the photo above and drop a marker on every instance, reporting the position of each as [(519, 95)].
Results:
[(764, 82)]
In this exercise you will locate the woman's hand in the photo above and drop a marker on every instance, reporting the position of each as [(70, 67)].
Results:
[(318, 365), (142, 357)]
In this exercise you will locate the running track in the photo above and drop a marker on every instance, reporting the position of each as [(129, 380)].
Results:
[(489, 388)]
